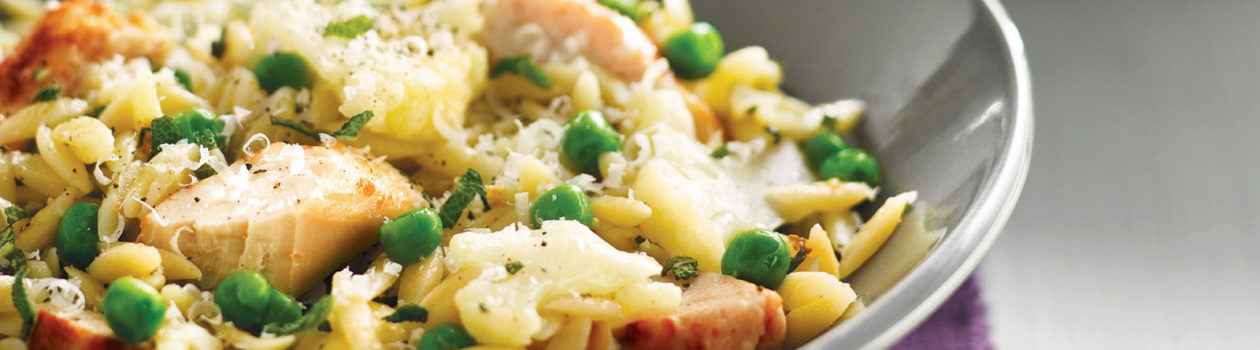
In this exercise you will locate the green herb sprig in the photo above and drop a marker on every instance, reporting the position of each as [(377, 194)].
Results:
[(522, 66), (467, 187), (409, 313), (349, 130), (683, 267)]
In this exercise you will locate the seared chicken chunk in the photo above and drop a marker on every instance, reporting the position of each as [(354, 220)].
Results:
[(294, 213), (76, 33), (604, 36), (717, 312), (80, 330)]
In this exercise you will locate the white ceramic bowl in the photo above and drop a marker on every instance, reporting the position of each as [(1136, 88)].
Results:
[(950, 115)]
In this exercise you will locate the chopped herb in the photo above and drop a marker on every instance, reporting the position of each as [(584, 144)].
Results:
[(797, 259), (683, 267), (15, 261), (520, 65), (513, 267), (14, 213), (21, 301), (349, 130), (350, 28), (720, 152), (299, 126), (40, 74), (774, 133), (751, 110), (829, 122), (409, 313), (206, 171), (96, 112), (218, 47), (198, 126), (184, 79), (313, 317), (48, 93), (468, 187)]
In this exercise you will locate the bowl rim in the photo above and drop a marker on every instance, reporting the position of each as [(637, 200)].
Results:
[(926, 287)]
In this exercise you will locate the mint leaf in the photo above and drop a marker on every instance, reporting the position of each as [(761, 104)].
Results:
[(409, 313), (14, 213), (467, 188), (350, 129), (520, 65), (300, 127), (22, 302), (48, 93), (350, 28), (15, 260), (720, 152), (798, 259), (683, 267), (184, 79), (513, 267), (196, 125), (316, 314), (774, 134)]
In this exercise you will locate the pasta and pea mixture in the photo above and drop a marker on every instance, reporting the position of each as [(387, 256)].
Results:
[(417, 174)]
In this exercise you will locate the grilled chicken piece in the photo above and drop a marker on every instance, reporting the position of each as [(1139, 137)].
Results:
[(605, 37), (717, 312), (83, 330), (75, 34), (294, 213)]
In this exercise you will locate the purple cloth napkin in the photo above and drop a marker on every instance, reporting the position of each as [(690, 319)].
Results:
[(960, 324)]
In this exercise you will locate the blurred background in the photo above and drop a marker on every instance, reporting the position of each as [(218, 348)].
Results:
[(1137, 228)]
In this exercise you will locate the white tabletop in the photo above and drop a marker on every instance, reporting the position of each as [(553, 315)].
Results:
[(1139, 226)]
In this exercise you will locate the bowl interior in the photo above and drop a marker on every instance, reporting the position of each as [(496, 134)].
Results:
[(948, 115)]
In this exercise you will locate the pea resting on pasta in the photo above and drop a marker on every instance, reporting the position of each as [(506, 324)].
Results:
[(432, 175)]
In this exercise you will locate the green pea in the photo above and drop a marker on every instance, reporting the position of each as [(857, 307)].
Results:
[(446, 336), (820, 146), (250, 302), (563, 202), (628, 8), (133, 310), (759, 256), (412, 236), (279, 70), (694, 52), (588, 137), (852, 164), (77, 239)]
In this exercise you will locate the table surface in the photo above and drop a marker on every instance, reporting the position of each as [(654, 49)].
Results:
[(1138, 227)]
